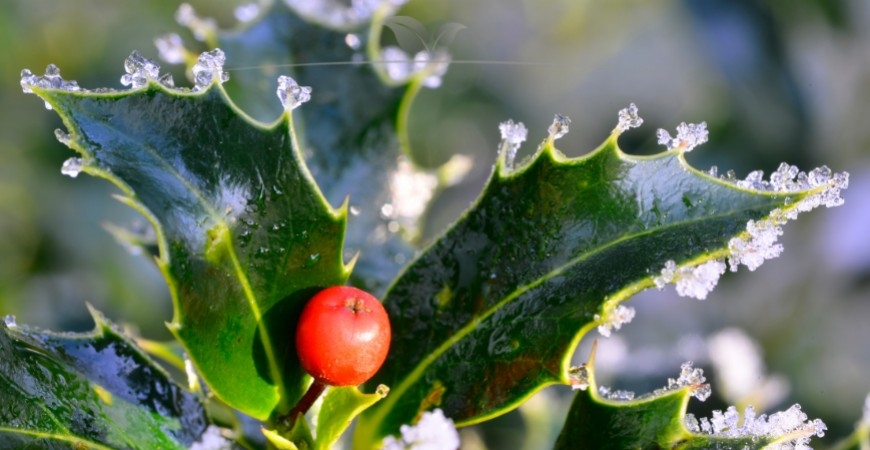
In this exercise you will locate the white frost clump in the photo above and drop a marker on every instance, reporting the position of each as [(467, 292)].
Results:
[(434, 431), (212, 439), (628, 118), (291, 94), (792, 423), (614, 320), (688, 136), (618, 394), (512, 135), (692, 281), (209, 67), (139, 71)]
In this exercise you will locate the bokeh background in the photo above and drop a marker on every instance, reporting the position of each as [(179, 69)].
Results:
[(775, 81)]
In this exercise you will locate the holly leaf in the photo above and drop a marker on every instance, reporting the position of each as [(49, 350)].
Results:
[(493, 310), (89, 390), (350, 129), (658, 420), (244, 236)]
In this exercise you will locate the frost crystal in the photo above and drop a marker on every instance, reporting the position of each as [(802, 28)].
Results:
[(201, 27), (760, 245), (139, 70), (690, 376), (512, 135), (247, 12), (620, 316), (609, 394), (72, 167), (62, 137), (291, 94), (792, 423), (434, 431), (209, 66), (688, 136), (434, 64), (9, 321), (51, 80), (692, 281), (628, 118), (170, 48), (559, 127), (342, 14), (398, 63), (212, 439)]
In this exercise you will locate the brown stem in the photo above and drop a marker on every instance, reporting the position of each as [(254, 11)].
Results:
[(311, 396)]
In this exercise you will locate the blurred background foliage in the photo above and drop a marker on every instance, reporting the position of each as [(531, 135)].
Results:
[(775, 81)]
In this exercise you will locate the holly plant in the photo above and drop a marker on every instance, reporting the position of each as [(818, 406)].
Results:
[(303, 299)]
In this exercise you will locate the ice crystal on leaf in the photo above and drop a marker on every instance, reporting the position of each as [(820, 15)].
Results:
[(559, 127), (688, 136), (139, 71), (690, 376), (51, 80), (628, 118), (72, 167), (170, 48), (512, 135), (610, 394), (291, 94), (199, 26), (209, 67), (692, 281), (578, 377), (792, 423), (614, 320), (434, 431)]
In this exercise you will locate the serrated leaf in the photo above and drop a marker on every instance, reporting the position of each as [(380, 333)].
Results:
[(340, 406), (245, 237), (655, 420), (89, 390), (348, 129), (493, 310)]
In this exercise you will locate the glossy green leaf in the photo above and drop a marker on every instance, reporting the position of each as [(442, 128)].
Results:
[(653, 421), (493, 310), (90, 390), (340, 406), (348, 129), (244, 236)]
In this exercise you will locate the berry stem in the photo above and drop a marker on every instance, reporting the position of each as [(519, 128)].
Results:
[(311, 396)]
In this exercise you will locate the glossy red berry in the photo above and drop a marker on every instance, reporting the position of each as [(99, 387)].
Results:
[(343, 336)]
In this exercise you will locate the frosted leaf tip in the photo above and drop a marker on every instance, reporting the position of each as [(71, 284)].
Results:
[(628, 118)]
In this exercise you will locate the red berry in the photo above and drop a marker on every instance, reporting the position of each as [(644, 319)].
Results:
[(343, 336)]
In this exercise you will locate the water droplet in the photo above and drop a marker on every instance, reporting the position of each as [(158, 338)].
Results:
[(353, 41), (62, 137), (247, 12), (628, 118), (139, 71), (559, 127), (208, 68), (170, 48), (512, 135), (688, 136), (291, 94), (72, 167)]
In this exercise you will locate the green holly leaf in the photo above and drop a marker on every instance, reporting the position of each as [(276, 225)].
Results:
[(350, 130), (89, 390), (244, 236), (658, 420), (493, 310), (340, 406)]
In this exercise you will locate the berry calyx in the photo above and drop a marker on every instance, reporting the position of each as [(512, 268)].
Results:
[(343, 336)]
